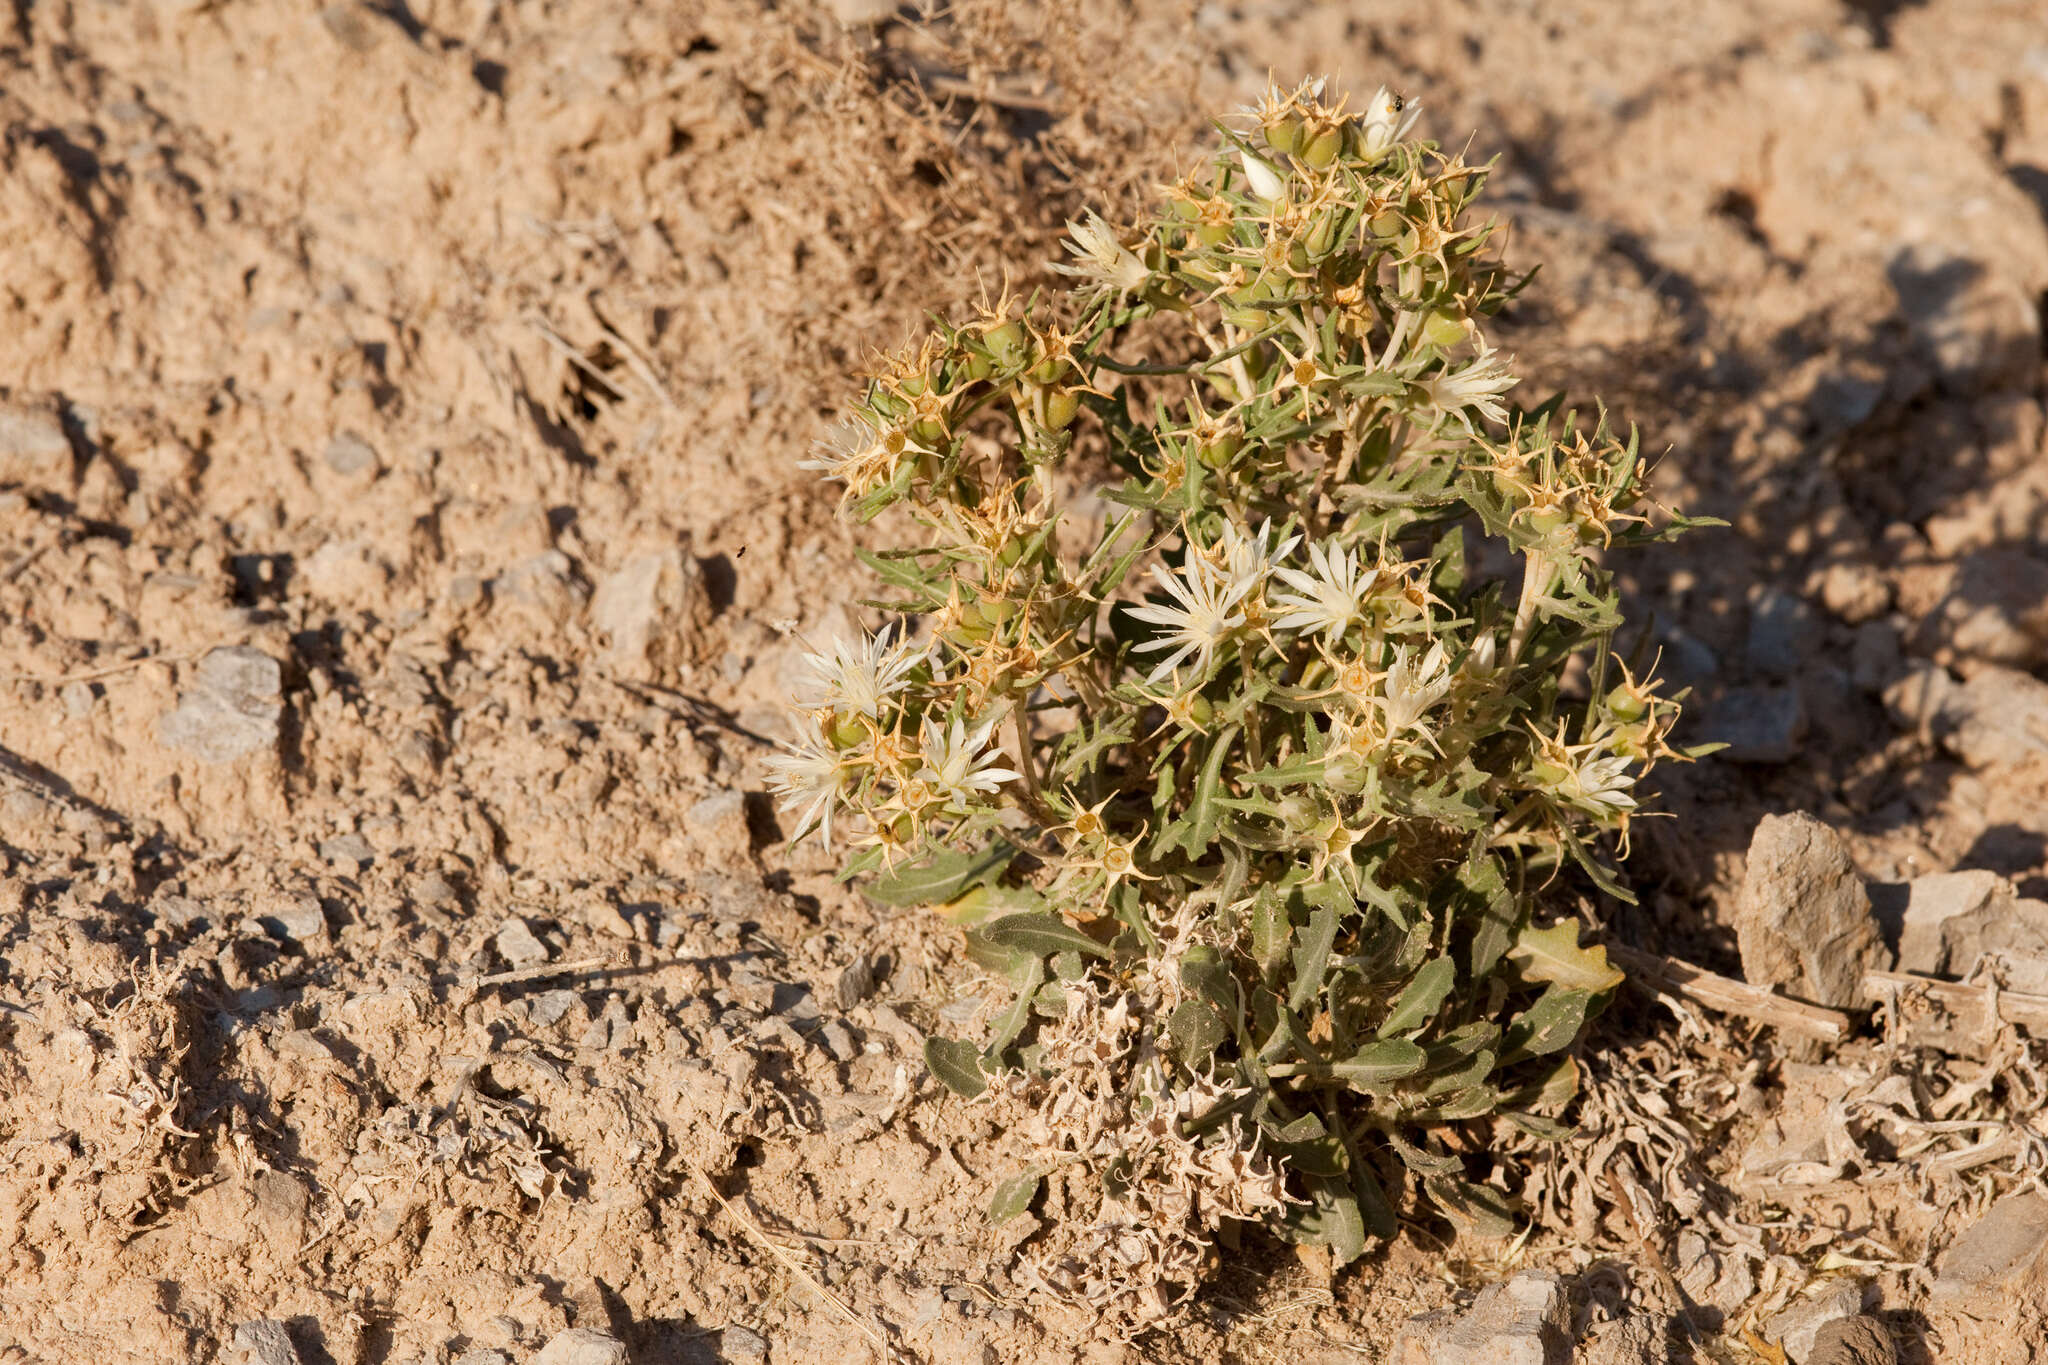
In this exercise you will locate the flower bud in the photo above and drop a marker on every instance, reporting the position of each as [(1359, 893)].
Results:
[(1443, 328), (1005, 343), (1321, 148), (1628, 704), (847, 732), (1061, 407)]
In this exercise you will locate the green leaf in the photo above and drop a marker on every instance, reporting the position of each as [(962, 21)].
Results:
[(1478, 1210), (1331, 1218), (1536, 1126), (1312, 957), (1014, 1196), (1550, 1024), (1271, 931), (1044, 934), (1025, 980), (1554, 954), (1197, 1031), (941, 878), (1375, 1067), (1423, 997), (1473, 1102), (956, 1064)]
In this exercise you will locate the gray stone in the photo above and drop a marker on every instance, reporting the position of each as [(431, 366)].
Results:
[(582, 1346), (1995, 611), (1780, 633), (2004, 1252), (1999, 716), (1758, 724), (838, 1040), (298, 918), (1857, 1340), (348, 852), (548, 1007), (1522, 1321), (1946, 921), (743, 1346), (720, 820), (1803, 920), (483, 1356), (232, 708), (34, 450), (519, 947), (1977, 327), (348, 454), (1795, 1327), (1875, 657), (1855, 591), (264, 1342), (547, 582), (650, 614), (856, 981)]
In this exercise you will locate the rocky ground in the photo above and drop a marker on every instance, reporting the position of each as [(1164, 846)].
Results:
[(402, 557)]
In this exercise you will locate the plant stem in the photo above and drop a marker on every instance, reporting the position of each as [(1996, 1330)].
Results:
[(1535, 583)]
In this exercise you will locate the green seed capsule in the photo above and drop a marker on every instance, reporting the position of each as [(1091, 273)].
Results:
[(1284, 136), (928, 432), (1322, 148), (1548, 521), (1061, 407), (1218, 453), (1387, 224), (1627, 705), (1443, 328), (1213, 234), (1005, 342), (847, 733), (976, 366), (1547, 774), (1048, 370)]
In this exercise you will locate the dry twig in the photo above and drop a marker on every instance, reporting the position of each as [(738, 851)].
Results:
[(1724, 994)]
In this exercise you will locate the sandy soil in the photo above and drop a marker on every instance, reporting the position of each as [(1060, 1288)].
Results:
[(401, 551)]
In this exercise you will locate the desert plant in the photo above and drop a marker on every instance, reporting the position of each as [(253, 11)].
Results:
[(1247, 781)]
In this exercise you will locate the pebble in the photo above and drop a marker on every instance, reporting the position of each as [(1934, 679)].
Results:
[(232, 708), (347, 853), (1859, 1340), (1978, 330), (1946, 921), (582, 1346), (743, 1346), (1999, 716), (1723, 1285), (1758, 724), (483, 1356), (2004, 1252), (650, 614), (838, 1040), (348, 454), (1794, 1328), (298, 918), (720, 820), (1803, 920), (1995, 611), (1522, 1321), (856, 982), (34, 451), (264, 1342), (547, 581), (1875, 657), (518, 946), (1780, 631)]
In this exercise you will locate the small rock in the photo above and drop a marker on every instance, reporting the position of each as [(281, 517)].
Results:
[(77, 698), (1638, 1339), (264, 1342), (298, 918), (1875, 657), (483, 1355), (582, 1346), (1780, 633), (651, 614), (348, 454), (232, 708), (2004, 1252), (1795, 1327), (547, 1008), (1995, 611), (838, 1040), (518, 946), (1856, 592), (1856, 1340), (720, 820), (1999, 716), (547, 582), (1758, 724), (1803, 920), (743, 1346), (1946, 921), (347, 853), (856, 981), (34, 451), (1522, 1321), (1978, 328)]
